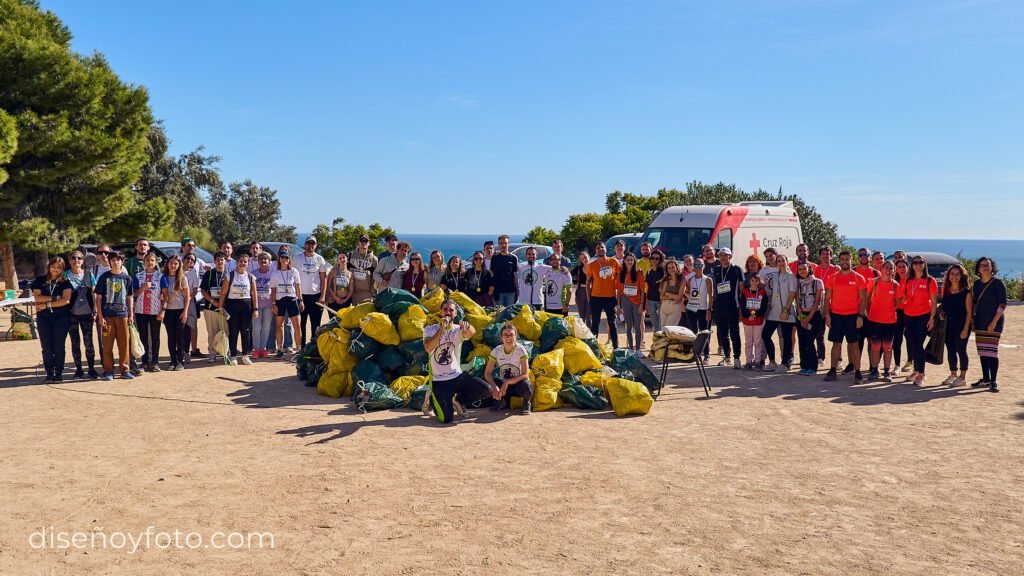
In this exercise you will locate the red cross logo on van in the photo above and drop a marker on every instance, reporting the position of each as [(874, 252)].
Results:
[(754, 242)]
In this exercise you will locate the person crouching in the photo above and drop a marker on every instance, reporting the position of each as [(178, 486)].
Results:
[(512, 361)]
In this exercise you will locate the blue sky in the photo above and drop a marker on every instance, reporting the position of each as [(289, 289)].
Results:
[(896, 119)]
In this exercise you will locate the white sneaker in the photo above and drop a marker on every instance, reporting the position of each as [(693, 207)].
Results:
[(958, 381), (212, 358), (771, 367), (233, 361), (725, 362), (949, 380), (246, 361)]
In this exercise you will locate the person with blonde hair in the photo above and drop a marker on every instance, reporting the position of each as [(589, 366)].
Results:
[(176, 298)]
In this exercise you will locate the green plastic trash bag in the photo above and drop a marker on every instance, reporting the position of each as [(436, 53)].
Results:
[(492, 335), (368, 371), (396, 309), (508, 313), (629, 367), (418, 396), (370, 396), (361, 345), (390, 359), (552, 333), (585, 397), (389, 296)]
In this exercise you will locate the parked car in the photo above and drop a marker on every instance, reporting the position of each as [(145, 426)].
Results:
[(273, 247), (937, 262), (632, 242), (519, 249), (164, 250)]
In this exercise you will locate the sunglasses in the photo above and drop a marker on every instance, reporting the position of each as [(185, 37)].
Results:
[(918, 261), (862, 255), (478, 259), (415, 260), (77, 258)]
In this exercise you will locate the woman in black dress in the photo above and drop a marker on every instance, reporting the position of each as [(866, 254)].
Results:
[(989, 304), (957, 307)]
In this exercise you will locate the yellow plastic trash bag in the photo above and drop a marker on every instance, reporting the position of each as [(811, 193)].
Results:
[(378, 326), (606, 350), (481, 351), (467, 303), (404, 385), (526, 324), (352, 316), (332, 343), (578, 327), (433, 300), (545, 394), (335, 383), (596, 378), (542, 317), (628, 397), (411, 323), (550, 364), (578, 356), (480, 321)]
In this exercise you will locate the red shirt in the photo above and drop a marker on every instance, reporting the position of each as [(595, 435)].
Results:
[(919, 293), (866, 271), (882, 301), (796, 263), (845, 293), (826, 271)]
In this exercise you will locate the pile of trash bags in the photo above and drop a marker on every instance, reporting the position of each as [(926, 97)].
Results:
[(374, 354)]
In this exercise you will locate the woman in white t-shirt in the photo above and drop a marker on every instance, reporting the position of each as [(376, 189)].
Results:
[(512, 361), (239, 298), (286, 294)]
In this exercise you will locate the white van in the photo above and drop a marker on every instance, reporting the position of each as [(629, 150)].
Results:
[(745, 228)]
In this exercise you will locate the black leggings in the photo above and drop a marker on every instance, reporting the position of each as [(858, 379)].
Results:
[(53, 333), (785, 332), (956, 349), (897, 338), (179, 336), (81, 333), (917, 332), (311, 310), (727, 322), (468, 389), (149, 331), (604, 304), (240, 322), (808, 341), (989, 368)]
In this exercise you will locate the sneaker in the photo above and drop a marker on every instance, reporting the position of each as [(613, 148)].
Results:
[(289, 350), (196, 353), (821, 363), (499, 405), (748, 366), (771, 367), (136, 372), (886, 376), (108, 376), (725, 362), (93, 374), (178, 367), (154, 367), (830, 376), (907, 366), (912, 377), (707, 359), (737, 364), (849, 369), (79, 374), (993, 387), (786, 366), (874, 375), (949, 380), (857, 377), (127, 375), (528, 405), (233, 361), (279, 355), (58, 379), (958, 381), (246, 361), (980, 383), (211, 359), (919, 381), (48, 380), (187, 359)]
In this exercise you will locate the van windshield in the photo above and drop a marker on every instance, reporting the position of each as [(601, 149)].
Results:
[(678, 242)]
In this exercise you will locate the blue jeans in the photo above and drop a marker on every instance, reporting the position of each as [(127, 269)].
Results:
[(653, 307), (289, 340), (505, 299), (262, 329)]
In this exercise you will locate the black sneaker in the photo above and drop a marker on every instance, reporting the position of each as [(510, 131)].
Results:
[(830, 376), (874, 375), (196, 353), (993, 387), (886, 376), (48, 380), (849, 369), (981, 383), (528, 406), (59, 379), (79, 374), (93, 374), (857, 377)]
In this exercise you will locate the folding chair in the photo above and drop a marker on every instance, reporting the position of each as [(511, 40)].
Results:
[(699, 343)]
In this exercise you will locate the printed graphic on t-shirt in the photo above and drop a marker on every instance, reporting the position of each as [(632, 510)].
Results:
[(551, 288), (605, 272), (116, 295), (529, 277), (444, 354), (508, 371)]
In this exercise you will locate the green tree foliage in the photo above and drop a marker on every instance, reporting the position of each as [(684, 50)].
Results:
[(342, 237), (8, 142), (81, 133), (246, 212), (625, 213), (540, 235)]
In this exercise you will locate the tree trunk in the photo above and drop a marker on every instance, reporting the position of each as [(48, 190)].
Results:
[(10, 273), (42, 257)]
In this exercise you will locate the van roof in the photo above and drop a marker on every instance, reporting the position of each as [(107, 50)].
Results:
[(706, 216)]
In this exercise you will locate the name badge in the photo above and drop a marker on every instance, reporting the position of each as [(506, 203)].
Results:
[(692, 305), (630, 290), (263, 291), (215, 291), (723, 288), (360, 275), (605, 272), (753, 303)]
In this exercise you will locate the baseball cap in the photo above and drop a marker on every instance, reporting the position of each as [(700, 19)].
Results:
[(364, 238), (185, 240), (725, 251), (284, 251), (310, 238)]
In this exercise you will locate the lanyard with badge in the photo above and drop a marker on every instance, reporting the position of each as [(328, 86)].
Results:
[(724, 286)]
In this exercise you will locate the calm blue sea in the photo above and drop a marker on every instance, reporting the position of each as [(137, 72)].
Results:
[(1008, 254)]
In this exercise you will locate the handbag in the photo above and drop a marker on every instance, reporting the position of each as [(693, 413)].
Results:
[(135, 342), (936, 344)]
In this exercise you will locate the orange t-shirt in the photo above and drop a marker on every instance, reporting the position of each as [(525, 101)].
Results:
[(845, 293), (605, 273), (919, 296), (632, 290), (795, 264), (866, 271), (882, 301)]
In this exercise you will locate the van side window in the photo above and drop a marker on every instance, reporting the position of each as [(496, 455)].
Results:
[(724, 239)]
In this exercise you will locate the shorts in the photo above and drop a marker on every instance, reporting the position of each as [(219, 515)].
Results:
[(844, 326), (287, 307), (882, 332)]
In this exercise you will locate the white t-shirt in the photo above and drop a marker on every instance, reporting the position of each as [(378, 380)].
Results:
[(284, 281), (240, 287), (309, 269), (444, 360), (531, 283), (509, 365), (230, 266), (192, 277), (555, 282), (698, 292), (779, 288)]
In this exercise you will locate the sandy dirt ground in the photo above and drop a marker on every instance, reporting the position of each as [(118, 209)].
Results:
[(774, 474)]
